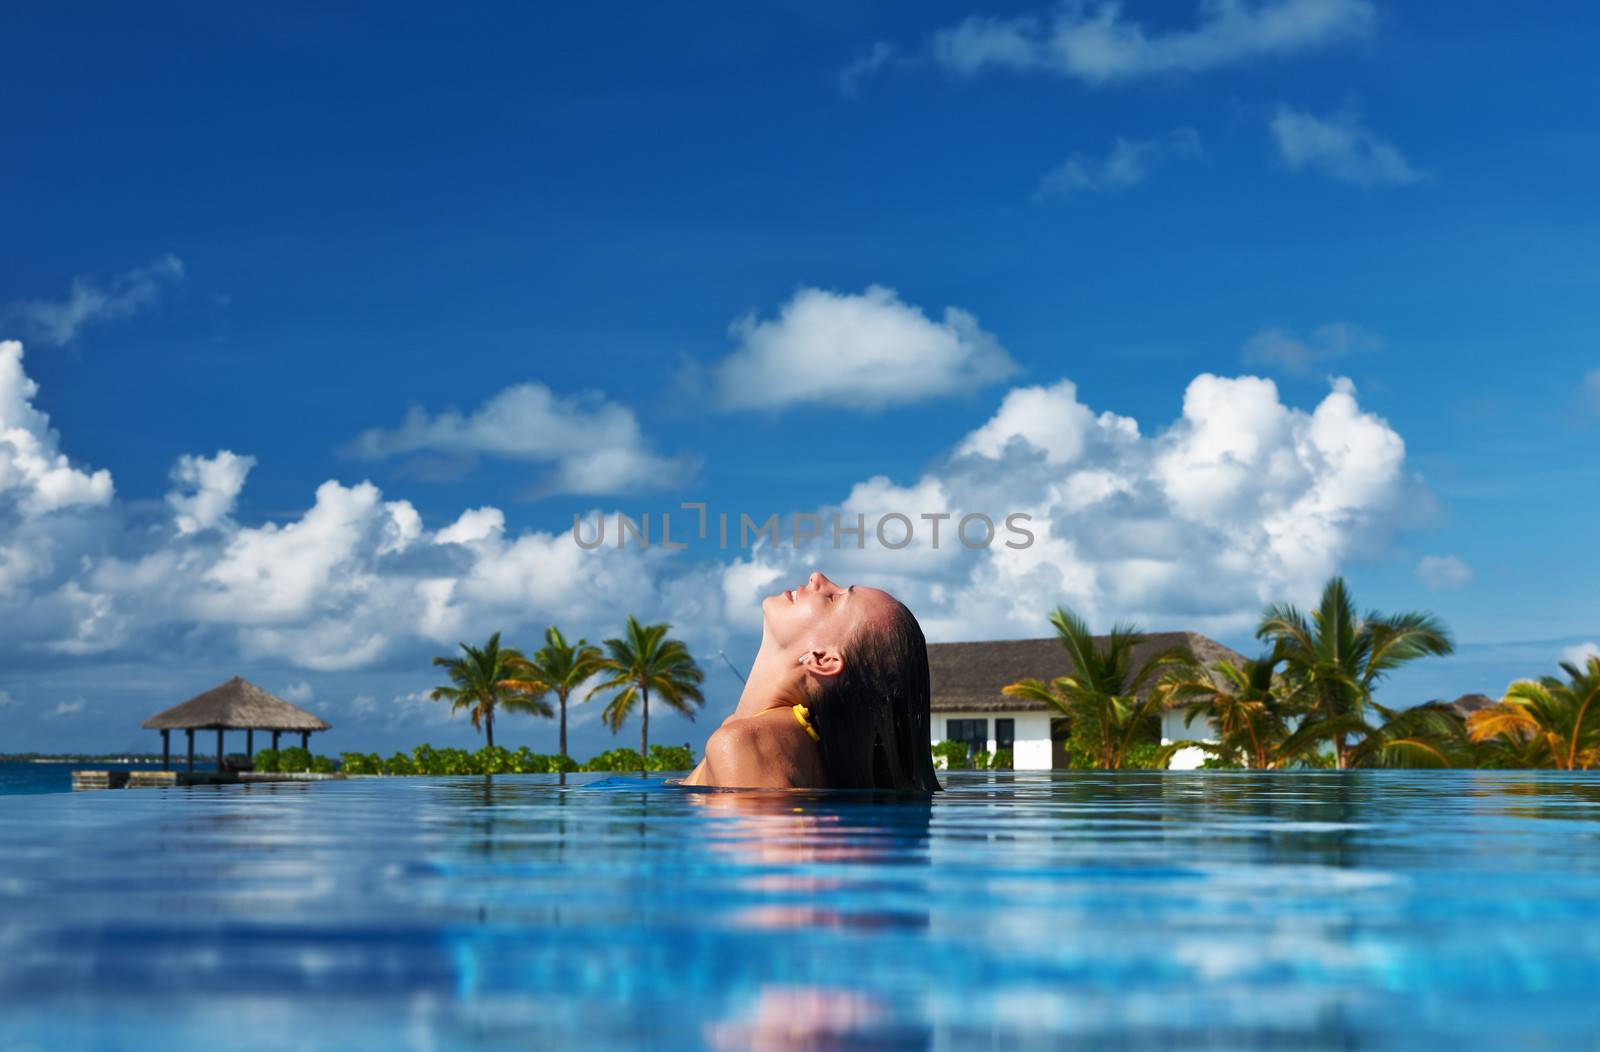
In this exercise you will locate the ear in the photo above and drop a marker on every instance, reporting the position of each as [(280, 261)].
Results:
[(823, 662)]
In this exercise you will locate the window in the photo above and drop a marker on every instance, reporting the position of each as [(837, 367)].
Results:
[(974, 732), (1005, 734)]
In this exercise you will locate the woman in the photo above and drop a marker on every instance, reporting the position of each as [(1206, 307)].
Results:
[(837, 697)]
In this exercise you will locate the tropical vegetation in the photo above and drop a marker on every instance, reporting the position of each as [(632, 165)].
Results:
[(557, 668), (427, 760), (641, 661), (1308, 701), (484, 680), (1544, 722), (1109, 696), (1333, 660)]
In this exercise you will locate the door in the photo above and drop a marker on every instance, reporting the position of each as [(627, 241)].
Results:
[(1060, 738)]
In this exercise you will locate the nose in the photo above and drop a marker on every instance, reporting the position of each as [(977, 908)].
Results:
[(818, 579)]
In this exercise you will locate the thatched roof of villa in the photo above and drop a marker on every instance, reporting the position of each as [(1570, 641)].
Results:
[(969, 677), (1467, 704), (236, 705)]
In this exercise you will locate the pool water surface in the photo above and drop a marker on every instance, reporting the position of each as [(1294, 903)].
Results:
[(1014, 911)]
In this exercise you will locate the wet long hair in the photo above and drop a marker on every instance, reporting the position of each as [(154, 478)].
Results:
[(872, 719)]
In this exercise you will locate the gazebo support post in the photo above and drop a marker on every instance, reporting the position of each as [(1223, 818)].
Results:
[(275, 740), (219, 750), (166, 750), (305, 740), (250, 743), (190, 732)]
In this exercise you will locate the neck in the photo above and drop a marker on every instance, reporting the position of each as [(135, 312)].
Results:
[(774, 682)]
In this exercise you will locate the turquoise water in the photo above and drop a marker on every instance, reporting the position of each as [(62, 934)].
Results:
[(17, 779), (1137, 910)]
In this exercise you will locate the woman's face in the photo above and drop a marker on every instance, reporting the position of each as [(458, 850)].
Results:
[(820, 614)]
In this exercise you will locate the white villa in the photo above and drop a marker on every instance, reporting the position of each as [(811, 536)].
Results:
[(968, 704)]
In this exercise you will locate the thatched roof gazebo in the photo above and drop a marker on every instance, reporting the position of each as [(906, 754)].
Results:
[(234, 706)]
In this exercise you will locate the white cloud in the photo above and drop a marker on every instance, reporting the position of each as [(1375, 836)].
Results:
[(1286, 352), (58, 322), (66, 708), (1241, 501), (862, 351), (298, 692), (1340, 148), (1128, 163), (1591, 389), (1581, 654), (1443, 572), (6, 700), (35, 475), (592, 445), (1096, 45), (207, 489), (1049, 420)]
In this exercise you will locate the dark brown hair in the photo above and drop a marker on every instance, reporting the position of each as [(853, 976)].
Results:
[(873, 717)]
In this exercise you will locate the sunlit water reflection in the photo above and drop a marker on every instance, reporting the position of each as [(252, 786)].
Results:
[(1015, 912)]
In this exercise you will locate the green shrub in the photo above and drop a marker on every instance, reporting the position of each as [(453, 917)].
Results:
[(1003, 760), (1143, 757), (322, 765), (496, 760), (399, 764), (616, 760), (267, 760), (957, 755), (670, 758), (294, 759), (360, 763)]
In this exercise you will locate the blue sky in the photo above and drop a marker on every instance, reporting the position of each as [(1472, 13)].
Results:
[(278, 232)]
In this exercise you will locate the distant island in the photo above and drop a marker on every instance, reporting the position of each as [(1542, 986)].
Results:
[(79, 757)]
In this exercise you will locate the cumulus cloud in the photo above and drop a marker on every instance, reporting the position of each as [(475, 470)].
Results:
[(1443, 572), (58, 322), (1096, 44), (592, 446), (36, 477), (66, 708), (298, 692), (865, 351), (1128, 163), (207, 488), (1240, 501), (1284, 351), (1339, 147)]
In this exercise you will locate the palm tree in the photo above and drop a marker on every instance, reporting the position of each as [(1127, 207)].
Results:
[(1337, 658), (1545, 722), (558, 667), (645, 660), (1247, 703), (1102, 694), (484, 679), (1423, 736)]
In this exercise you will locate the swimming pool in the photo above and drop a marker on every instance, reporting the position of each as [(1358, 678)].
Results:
[(1144, 909)]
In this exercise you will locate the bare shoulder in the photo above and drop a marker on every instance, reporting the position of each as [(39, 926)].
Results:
[(766, 751)]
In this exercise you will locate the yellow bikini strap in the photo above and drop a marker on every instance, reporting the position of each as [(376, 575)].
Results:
[(802, 716)]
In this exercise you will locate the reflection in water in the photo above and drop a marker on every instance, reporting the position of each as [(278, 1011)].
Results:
[(1140, 909), (813, 1019)]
